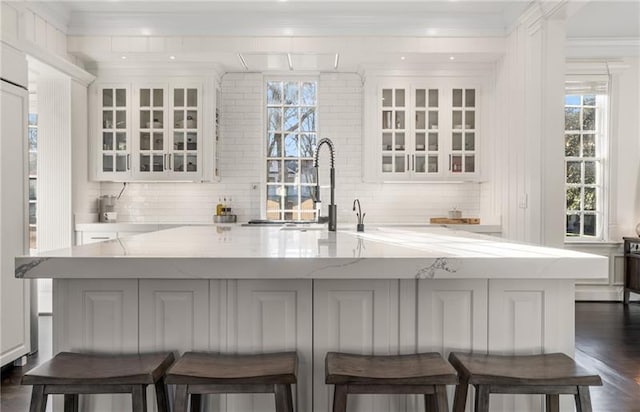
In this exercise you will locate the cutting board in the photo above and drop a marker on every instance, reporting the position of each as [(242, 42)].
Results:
[(459, 221)]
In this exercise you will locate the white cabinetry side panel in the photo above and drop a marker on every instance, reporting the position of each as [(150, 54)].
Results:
[(100, 316), (14, 293), (357, 316), (452, 316), (529, 317), (272, 316)]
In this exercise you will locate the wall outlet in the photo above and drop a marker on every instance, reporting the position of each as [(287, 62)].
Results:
[(523, 201)]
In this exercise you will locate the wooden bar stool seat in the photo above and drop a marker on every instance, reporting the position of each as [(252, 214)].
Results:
[(548, 374), (197, 373), (423, 373), (72, 374)]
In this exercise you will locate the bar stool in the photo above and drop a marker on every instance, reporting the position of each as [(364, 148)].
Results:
[(423, 373), (72, 374), (548, 374), (197, 373)]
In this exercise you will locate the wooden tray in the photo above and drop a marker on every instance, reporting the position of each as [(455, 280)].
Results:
[(459, 221)]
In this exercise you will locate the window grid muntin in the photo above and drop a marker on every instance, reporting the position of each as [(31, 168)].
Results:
[(281, 186), (598, 134)]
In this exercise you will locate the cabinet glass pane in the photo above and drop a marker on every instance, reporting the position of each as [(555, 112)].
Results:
[(107, 119), (399, 164), (121, 119), (178, 162), (158, 163), (470, 119), (433, 141), (158, 140), (420, 141), (145, 141), (107, 98), (456, 163), (433, 97), (469, 141), (433, 119), (121, 163), (107, 163), (387, 141), (456, 141), (469, 163), (107, 141), (145, 163), (433, 164), (192, 163), (178, 97), (399, 119), (420, 164), (456, 119), (387, 164), (158, 119), (121, 141), (145, 97), (192, 97), (192, 141), (121, 98), (178, 119), (399, 97), (192, 119), (457, 98), (386, 119), (145, 119), (399, 144), (470, 98), (421, 120), (178, 140), (387, 98), (421, 100), (158, 97)]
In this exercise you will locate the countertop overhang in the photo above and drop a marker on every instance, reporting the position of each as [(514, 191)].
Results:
[(237, 252)]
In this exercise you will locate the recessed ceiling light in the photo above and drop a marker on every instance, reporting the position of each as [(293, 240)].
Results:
[(402, 57), (123, 57), (172, 57), (451, 58)]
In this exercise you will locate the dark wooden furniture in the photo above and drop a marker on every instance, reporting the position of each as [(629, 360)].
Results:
[(549, 374), (72, 374), (197, 373), (423, 373), (631, 266)]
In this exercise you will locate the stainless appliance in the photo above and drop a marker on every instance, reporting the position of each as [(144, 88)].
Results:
[(107, 205)]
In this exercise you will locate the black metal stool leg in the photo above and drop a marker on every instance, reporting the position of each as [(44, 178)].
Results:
[(38, 399), (460, 397), (162, 400), (340, 398)]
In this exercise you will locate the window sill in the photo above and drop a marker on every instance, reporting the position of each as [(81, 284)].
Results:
[(592, 243)]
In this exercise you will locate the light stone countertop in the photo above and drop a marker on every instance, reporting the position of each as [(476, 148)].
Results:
[(238, 252)]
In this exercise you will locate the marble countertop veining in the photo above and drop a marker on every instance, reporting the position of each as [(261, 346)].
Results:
[(238, 252)]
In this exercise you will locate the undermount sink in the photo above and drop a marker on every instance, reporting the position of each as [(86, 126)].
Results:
[(286, 224)]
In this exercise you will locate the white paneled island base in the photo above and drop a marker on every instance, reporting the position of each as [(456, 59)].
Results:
[(427, 290)]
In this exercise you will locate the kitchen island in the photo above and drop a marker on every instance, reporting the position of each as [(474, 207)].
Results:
[(254, 289)]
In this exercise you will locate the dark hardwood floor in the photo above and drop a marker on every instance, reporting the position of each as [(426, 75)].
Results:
[(607, 341)]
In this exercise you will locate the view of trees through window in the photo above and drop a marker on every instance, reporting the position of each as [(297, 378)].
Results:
[(291, 140), (33, 178), (584, 131)]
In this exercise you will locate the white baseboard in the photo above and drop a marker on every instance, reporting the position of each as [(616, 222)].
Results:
[(602, 293)]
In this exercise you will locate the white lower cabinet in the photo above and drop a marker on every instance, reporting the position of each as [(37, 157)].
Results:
[(357, 316)]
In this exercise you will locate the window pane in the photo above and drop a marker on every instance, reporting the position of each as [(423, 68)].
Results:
[(572, 118), (32, 213), (307, 144), (291, 145), (274, 171), (590, 198), (573, 198), (33, 164), (590, 225), (291, 93), (273, 201), (589, 173), (33, 119), (274, 148), (290, 123), (588, 145), (307, 172), (308, 94), (274, 93), (589, 119), (309, 120), (589, 100), (573, 225), (275, 118), (32, 189), (33, 139), (572, 145), (290, 171), (573, 172), (572, 100)]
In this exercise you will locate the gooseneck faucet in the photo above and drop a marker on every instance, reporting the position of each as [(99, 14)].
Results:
[(333, 210)]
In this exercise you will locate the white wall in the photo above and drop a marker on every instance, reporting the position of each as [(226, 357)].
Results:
[(242, 165)]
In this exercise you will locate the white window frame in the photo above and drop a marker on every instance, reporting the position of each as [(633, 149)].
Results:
[(602, 142), (265, 137)]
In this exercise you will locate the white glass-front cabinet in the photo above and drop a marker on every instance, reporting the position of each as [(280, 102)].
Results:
[(150, 132), (425, 132)]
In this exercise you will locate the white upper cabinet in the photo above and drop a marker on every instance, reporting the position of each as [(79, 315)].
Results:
[(422, 129), (154, 131)]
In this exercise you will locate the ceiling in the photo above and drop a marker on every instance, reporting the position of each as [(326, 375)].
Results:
[(323, 24)]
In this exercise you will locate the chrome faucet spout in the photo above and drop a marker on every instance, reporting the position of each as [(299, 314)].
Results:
[(332, 218)]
